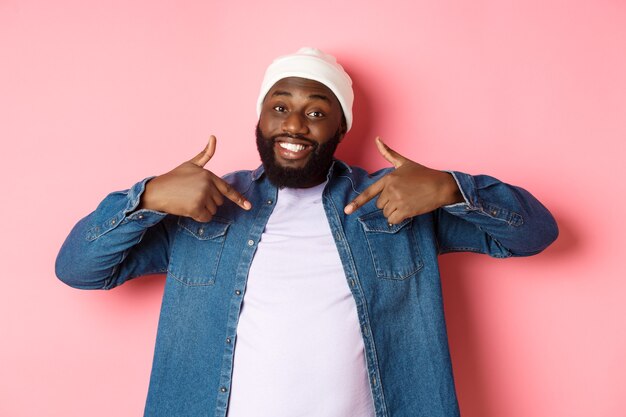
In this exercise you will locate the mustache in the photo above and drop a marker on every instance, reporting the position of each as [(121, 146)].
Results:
[(300, 137)]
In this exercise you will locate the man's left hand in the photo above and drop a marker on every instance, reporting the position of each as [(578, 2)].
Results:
[(409, 190)]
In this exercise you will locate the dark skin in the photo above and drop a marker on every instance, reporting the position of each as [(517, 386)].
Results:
[(298, 106), (190, 190), (300, 112), (410, 190)]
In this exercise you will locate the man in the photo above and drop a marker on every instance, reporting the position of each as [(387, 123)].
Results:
[(306, 287)]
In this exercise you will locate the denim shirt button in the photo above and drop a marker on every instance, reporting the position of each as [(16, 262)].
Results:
[(113, 222), (223, 389), (238, 292), (228, 340), (250, 242), (140, 216), (200, 231), (269, 202)]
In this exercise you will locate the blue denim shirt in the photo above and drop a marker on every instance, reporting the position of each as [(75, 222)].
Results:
[(392, 272)]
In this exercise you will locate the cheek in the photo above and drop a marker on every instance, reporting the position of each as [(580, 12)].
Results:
[(266, 124), (326, 131)]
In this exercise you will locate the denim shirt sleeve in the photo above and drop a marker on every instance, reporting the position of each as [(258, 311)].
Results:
[(114, 243), (496, 218)]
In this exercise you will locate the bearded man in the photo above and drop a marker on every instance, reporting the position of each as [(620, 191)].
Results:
[(306, 287)]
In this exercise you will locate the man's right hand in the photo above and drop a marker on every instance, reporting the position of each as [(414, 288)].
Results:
[(190, 190)]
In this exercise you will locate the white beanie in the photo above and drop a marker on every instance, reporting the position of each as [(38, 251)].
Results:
[(312, 64)]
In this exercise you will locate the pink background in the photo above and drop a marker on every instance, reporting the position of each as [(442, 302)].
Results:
[(95, 97)]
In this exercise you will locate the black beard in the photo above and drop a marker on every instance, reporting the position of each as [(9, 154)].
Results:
[(312, 173)]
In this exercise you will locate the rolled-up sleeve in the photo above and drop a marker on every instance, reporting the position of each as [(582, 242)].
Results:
[(114, 243), (495, 218)]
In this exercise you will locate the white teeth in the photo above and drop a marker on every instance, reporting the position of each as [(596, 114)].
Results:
[(293, 147)]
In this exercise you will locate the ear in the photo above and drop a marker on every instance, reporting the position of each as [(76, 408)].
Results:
[(343, 127)]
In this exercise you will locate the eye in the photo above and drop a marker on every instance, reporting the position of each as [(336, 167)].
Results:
[(279, 109), (316, 114)]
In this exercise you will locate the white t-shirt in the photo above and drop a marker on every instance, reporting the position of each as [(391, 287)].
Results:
[(299, 350)]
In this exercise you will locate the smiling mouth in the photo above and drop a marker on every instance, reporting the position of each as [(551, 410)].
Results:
[(293, 147), (293, 151)]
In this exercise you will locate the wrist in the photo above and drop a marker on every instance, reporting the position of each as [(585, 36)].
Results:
[(450, 190), (147, 200)]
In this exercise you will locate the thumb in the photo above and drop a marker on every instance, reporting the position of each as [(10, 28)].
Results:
[(389, 154), (205, 156)]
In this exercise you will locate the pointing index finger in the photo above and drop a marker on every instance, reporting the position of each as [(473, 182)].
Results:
[(233, 195), (369, 193)]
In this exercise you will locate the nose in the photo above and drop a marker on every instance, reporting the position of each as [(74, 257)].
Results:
[(295, 123)]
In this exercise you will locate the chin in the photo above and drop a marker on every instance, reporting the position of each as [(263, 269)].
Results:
[(286, 163)]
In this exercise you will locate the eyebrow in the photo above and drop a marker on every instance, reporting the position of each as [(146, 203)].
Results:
[(311, 96)]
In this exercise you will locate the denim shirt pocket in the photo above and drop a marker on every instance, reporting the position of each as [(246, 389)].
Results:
[(197, 250), (394, 249)]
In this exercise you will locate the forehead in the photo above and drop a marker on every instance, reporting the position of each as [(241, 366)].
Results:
[(296, 86)]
